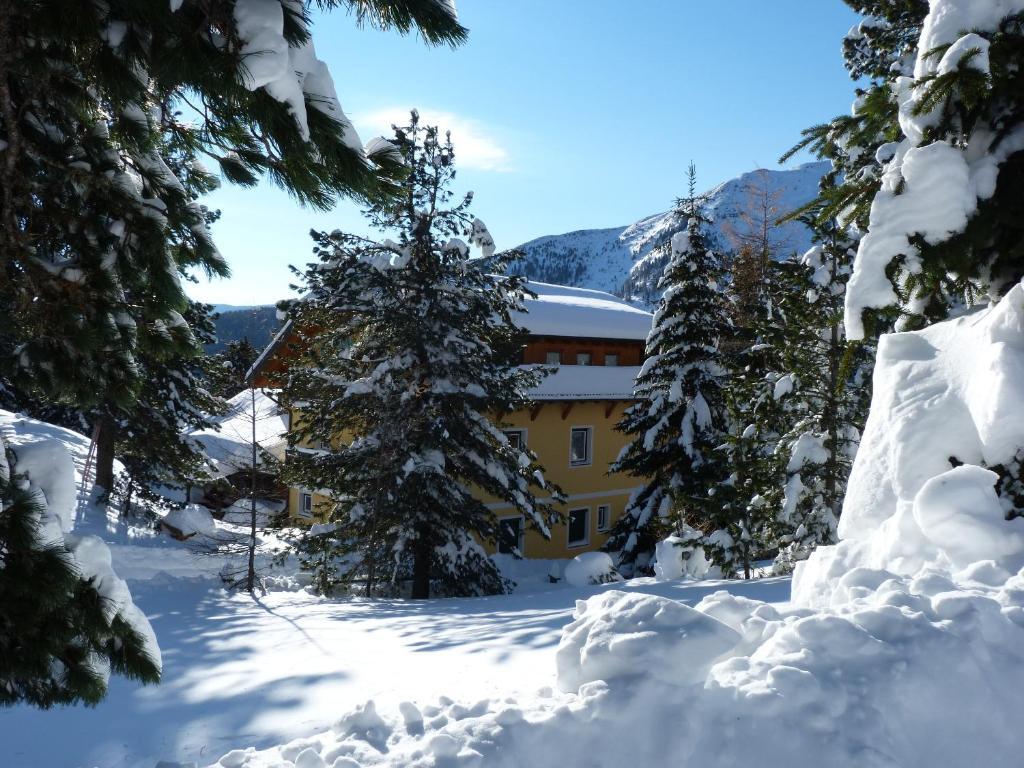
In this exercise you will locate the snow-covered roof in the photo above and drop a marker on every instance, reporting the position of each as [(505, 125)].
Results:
[(560, 310), (588, 382), (230, 449)]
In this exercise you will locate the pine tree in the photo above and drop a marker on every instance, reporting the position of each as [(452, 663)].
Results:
[(228, 369), (944, 98), (678, 421), (825, 389), (741, 523), (410, 359), (61, 631), (105, 111), (151, 435)]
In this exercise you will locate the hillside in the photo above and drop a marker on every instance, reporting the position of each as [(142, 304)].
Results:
[(625, 260), (258, 324)]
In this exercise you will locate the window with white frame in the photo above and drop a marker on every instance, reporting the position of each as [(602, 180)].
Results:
[(604, 517), (516, 438), (579, 534), (554, 358), (510, 535), (305, 504), (580, 446), (611, 359), (582, 358)]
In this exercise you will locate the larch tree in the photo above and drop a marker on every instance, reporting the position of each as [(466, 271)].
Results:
[(678, 420), (410, 359)]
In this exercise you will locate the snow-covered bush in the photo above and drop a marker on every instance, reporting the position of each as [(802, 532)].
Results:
[(591, 568), (681, 556)]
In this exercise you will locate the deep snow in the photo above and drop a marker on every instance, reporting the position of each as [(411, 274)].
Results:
[(239, 672)]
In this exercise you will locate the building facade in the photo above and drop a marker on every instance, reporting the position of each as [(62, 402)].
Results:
[(596, 343)]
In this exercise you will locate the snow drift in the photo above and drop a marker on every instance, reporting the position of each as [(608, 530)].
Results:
[(903, 645)]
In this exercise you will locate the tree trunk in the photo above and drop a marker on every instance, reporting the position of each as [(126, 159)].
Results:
[(250, 575), (422, 555), (105, 441)]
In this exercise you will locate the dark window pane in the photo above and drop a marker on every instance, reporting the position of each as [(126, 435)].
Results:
[(577, 526), (509, 533)]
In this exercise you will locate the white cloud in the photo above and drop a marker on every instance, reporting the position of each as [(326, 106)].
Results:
[(475, 146)]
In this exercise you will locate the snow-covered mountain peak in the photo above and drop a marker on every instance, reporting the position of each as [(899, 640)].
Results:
[(627, 261)]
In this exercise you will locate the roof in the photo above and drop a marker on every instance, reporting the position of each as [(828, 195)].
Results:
[(586, 382), (561, 310), (228, 446)]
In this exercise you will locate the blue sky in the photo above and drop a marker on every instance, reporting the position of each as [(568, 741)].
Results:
[(565, 114)]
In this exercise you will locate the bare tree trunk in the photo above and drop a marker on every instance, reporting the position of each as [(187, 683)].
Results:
[(421, 566), (105, 442), (250, 576)]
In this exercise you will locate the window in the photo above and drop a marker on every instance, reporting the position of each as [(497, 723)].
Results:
[(579, 446), (510, 535), (611, 359), (578, 527), (305, 504), (516, 438), (582, 358), (604, 514), (554, 358)]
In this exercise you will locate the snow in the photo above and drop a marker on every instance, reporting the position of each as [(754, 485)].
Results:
[(591, 568), (228, 445), (561, 310), (902, 645), (621, 636), (287, 668), (601, 382), (191, 520), (930, 189), (679, 557), (290, 74)]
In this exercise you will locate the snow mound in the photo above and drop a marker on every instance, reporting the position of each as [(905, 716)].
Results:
[(191, 520), (949, 395), (622, 635), (591, 568)]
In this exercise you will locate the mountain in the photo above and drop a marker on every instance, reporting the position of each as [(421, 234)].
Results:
[(627, 261), (258, 324)]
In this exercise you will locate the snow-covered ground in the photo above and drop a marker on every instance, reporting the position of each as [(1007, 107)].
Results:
[(240, 672)]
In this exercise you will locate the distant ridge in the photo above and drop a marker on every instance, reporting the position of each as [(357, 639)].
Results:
[(625, 261), (258, 324)]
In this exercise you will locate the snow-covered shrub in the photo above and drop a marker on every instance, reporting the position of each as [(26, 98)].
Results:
[(681, 556), (591, 568)]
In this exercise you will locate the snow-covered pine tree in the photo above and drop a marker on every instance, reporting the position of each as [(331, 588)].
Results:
[(824, 388), (151, 434), (105, 110), (411, 357), (62, 630), (741, 522), (228, 368), (678, 421)]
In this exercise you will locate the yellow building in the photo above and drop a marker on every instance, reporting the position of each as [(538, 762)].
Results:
[(597, 342)]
